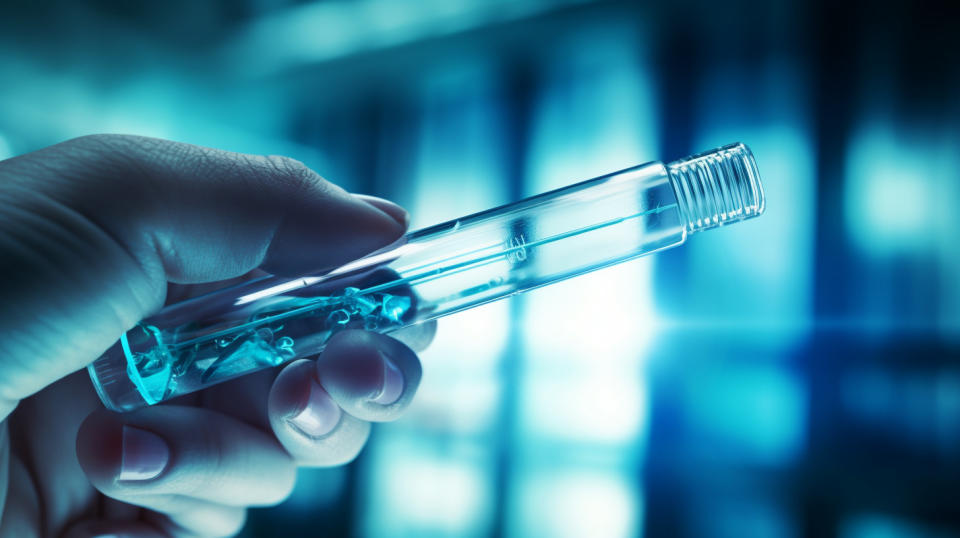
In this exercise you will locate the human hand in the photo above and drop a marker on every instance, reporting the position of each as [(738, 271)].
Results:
[(91, 233)]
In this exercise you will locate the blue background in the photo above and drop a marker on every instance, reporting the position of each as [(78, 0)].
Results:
[(795, 375)]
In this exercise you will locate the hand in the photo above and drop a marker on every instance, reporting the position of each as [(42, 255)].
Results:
[(91, 233)]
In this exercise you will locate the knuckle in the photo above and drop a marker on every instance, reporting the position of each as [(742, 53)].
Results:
[(288, 166), (212, 471), (220, 472), (294, 174), (103, 156)]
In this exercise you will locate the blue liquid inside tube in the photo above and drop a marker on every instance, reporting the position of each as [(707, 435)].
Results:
[(159, 371), (431, 273)]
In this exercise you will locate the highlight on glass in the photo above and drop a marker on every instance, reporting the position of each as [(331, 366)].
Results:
[(430, 273)]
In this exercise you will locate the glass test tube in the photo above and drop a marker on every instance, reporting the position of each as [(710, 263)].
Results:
[(428, 274)]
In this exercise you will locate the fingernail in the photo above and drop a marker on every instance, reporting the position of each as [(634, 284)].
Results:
[(320, 416), (396, 212), (144, 454), (392, 386)]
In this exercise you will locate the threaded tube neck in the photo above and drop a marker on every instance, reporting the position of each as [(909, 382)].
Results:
[(717, 187)]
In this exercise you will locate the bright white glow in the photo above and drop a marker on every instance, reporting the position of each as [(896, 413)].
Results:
[(889, 198), (458, 158), (594, 403), (436, 495), (895, 203), (607, 314), (278, 289), (585, 337), (457, 174), (377, 259), (368, 261), (577, 504), (461, 390), (597, 88)]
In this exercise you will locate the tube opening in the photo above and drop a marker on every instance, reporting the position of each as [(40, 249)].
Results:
[(717, 187)]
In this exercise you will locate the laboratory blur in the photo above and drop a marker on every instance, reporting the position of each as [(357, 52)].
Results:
[(794, 375)]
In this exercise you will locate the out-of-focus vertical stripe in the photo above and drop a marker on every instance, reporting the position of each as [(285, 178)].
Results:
[(432, 473), (582, 403), (758, 275), (748, 287)]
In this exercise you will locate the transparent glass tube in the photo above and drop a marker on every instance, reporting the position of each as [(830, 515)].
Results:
[(428, 274)]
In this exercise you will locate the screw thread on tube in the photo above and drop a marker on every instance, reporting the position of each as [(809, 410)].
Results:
[(717, 187)]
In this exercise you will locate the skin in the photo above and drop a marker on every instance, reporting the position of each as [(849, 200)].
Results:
[(99, 232)]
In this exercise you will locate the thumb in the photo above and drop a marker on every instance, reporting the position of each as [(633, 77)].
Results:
[(91, 231)]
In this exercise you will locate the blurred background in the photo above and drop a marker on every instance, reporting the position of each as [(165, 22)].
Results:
[(795, 375)]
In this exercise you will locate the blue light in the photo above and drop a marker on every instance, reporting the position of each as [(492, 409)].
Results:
[(755, 413), (890, 197), (416, 488), (759, 274), (884, 526), (577, 503), (741, 514), (597, 112), (5, 150), (584, 340), (458, 167)]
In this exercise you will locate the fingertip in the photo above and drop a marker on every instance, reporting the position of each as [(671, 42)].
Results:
[(143, 454), (168, 452), (351, 367), (371, 376), (309, 423), (111, 451), (100, 447), (396, 212), (417, 337), (298, 401), (319, 417), (391, 386)]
